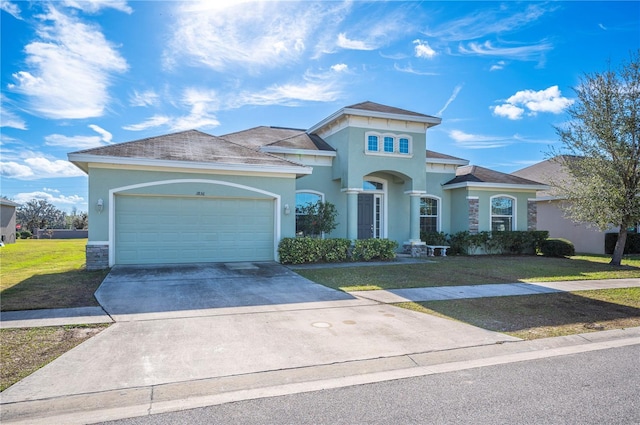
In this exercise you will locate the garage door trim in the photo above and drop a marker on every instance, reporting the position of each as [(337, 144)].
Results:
[(114, 191)]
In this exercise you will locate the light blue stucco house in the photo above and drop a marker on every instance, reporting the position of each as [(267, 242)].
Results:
[(193, 197)]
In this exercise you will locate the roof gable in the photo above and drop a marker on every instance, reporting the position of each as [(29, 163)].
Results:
[(476, 174)]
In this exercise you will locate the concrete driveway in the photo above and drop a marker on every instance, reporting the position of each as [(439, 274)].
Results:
[(191, 290), (189, 323)]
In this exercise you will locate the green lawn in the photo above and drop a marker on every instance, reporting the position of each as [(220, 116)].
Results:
[(544, 315), (42, 273), (473, 270)]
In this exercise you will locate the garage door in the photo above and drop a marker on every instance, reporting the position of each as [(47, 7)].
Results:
[(150, 230)]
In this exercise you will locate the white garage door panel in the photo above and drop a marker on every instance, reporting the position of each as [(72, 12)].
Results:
[(188, 230)]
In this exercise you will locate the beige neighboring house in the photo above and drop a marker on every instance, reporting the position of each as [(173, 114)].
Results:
[(551, 217), (8, 220)]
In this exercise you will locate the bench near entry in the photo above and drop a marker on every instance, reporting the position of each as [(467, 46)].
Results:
[(431, 249)]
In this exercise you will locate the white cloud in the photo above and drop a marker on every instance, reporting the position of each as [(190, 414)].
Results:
[(453, 96), (39, 167), (347, 43), (14, 170), (69, 68), (498, 66), (533, 52), (548, 100), (146, 98), (80, 142), (25, 197), (241, 36), (94, 6), (106, 136), (602, 27), (477, 141), (9, 119), (154, 121), (508, 111), (11, 8), (423, 50), (410, 70), (340, 67)]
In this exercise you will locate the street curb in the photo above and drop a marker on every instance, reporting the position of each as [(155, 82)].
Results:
[(169, 397)]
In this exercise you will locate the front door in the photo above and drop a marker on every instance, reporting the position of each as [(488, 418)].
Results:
[(365, 216), (369, 215)]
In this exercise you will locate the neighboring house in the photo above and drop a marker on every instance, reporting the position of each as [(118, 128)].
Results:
[(8, 220), (195, 197), (551, 217)]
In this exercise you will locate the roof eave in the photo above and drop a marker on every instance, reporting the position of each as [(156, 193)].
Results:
[(82, 159), (447, 161), (484, 185), (275, 149), (430, 121)]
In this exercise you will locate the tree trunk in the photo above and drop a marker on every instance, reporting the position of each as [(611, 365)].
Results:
[(618, 251)]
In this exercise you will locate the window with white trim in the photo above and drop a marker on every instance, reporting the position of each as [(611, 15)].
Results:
[(502, 213), (429, 209), (387, 144), (303, 199)]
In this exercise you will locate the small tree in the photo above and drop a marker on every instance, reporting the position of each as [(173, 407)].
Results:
[(316, 219), (602, 146)]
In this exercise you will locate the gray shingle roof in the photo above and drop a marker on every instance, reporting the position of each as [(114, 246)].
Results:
[(189, 146), (281, 137), (377, 107), (438, 155), (476, 174)]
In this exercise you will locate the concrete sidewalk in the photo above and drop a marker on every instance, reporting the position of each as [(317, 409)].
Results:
[(496, 290)]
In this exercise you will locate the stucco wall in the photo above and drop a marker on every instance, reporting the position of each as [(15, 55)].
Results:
[(102, 180), (584, 238), (8, 223)]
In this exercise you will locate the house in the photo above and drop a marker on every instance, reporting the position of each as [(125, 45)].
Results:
[(8, 220), (585, 238), (195, 197)]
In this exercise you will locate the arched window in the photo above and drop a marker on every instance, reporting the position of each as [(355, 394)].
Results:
[(429, 215), (303, 199), (502, 213)]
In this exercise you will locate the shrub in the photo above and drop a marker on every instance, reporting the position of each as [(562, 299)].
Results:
[(434, 238), (374, 249), (312, 250), (299, 250), (557, 247), (508, 243), (631, 246), (335, 250), (316, 219), (25, 234)]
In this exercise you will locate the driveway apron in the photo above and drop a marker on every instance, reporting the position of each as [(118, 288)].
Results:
[(272, 319)]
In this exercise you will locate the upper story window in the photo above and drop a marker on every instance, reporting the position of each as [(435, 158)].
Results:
[(388, 144), (502, 213), (372, 143)]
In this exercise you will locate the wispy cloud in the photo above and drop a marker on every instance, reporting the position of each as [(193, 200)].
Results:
[(410, 70), (498, 66), (8, 118), (69, 68), (478, 141), (94, 6), (145, 98), (453, 96), (80, 142), (346, 43), (494, 21), (548, 100), (151, 122), (531, 52), (11, 8)]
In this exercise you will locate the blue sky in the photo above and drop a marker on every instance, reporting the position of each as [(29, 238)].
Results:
[(81, 74)]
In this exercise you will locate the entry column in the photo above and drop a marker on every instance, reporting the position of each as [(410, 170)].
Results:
[(414, 215), (352, 212)]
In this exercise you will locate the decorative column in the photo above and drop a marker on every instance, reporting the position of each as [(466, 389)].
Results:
[(414, 245), (352, 212), (474, 212), (532, 215)]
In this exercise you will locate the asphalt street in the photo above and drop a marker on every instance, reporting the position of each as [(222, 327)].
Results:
[(598, 387)]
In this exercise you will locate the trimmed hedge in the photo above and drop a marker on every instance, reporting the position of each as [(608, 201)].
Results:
[(335, 250), (557, 247), (507, 243), (631, 246), (374, 249)]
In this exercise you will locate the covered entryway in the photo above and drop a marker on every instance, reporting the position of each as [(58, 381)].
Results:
[(370, 209), (171, 229)]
